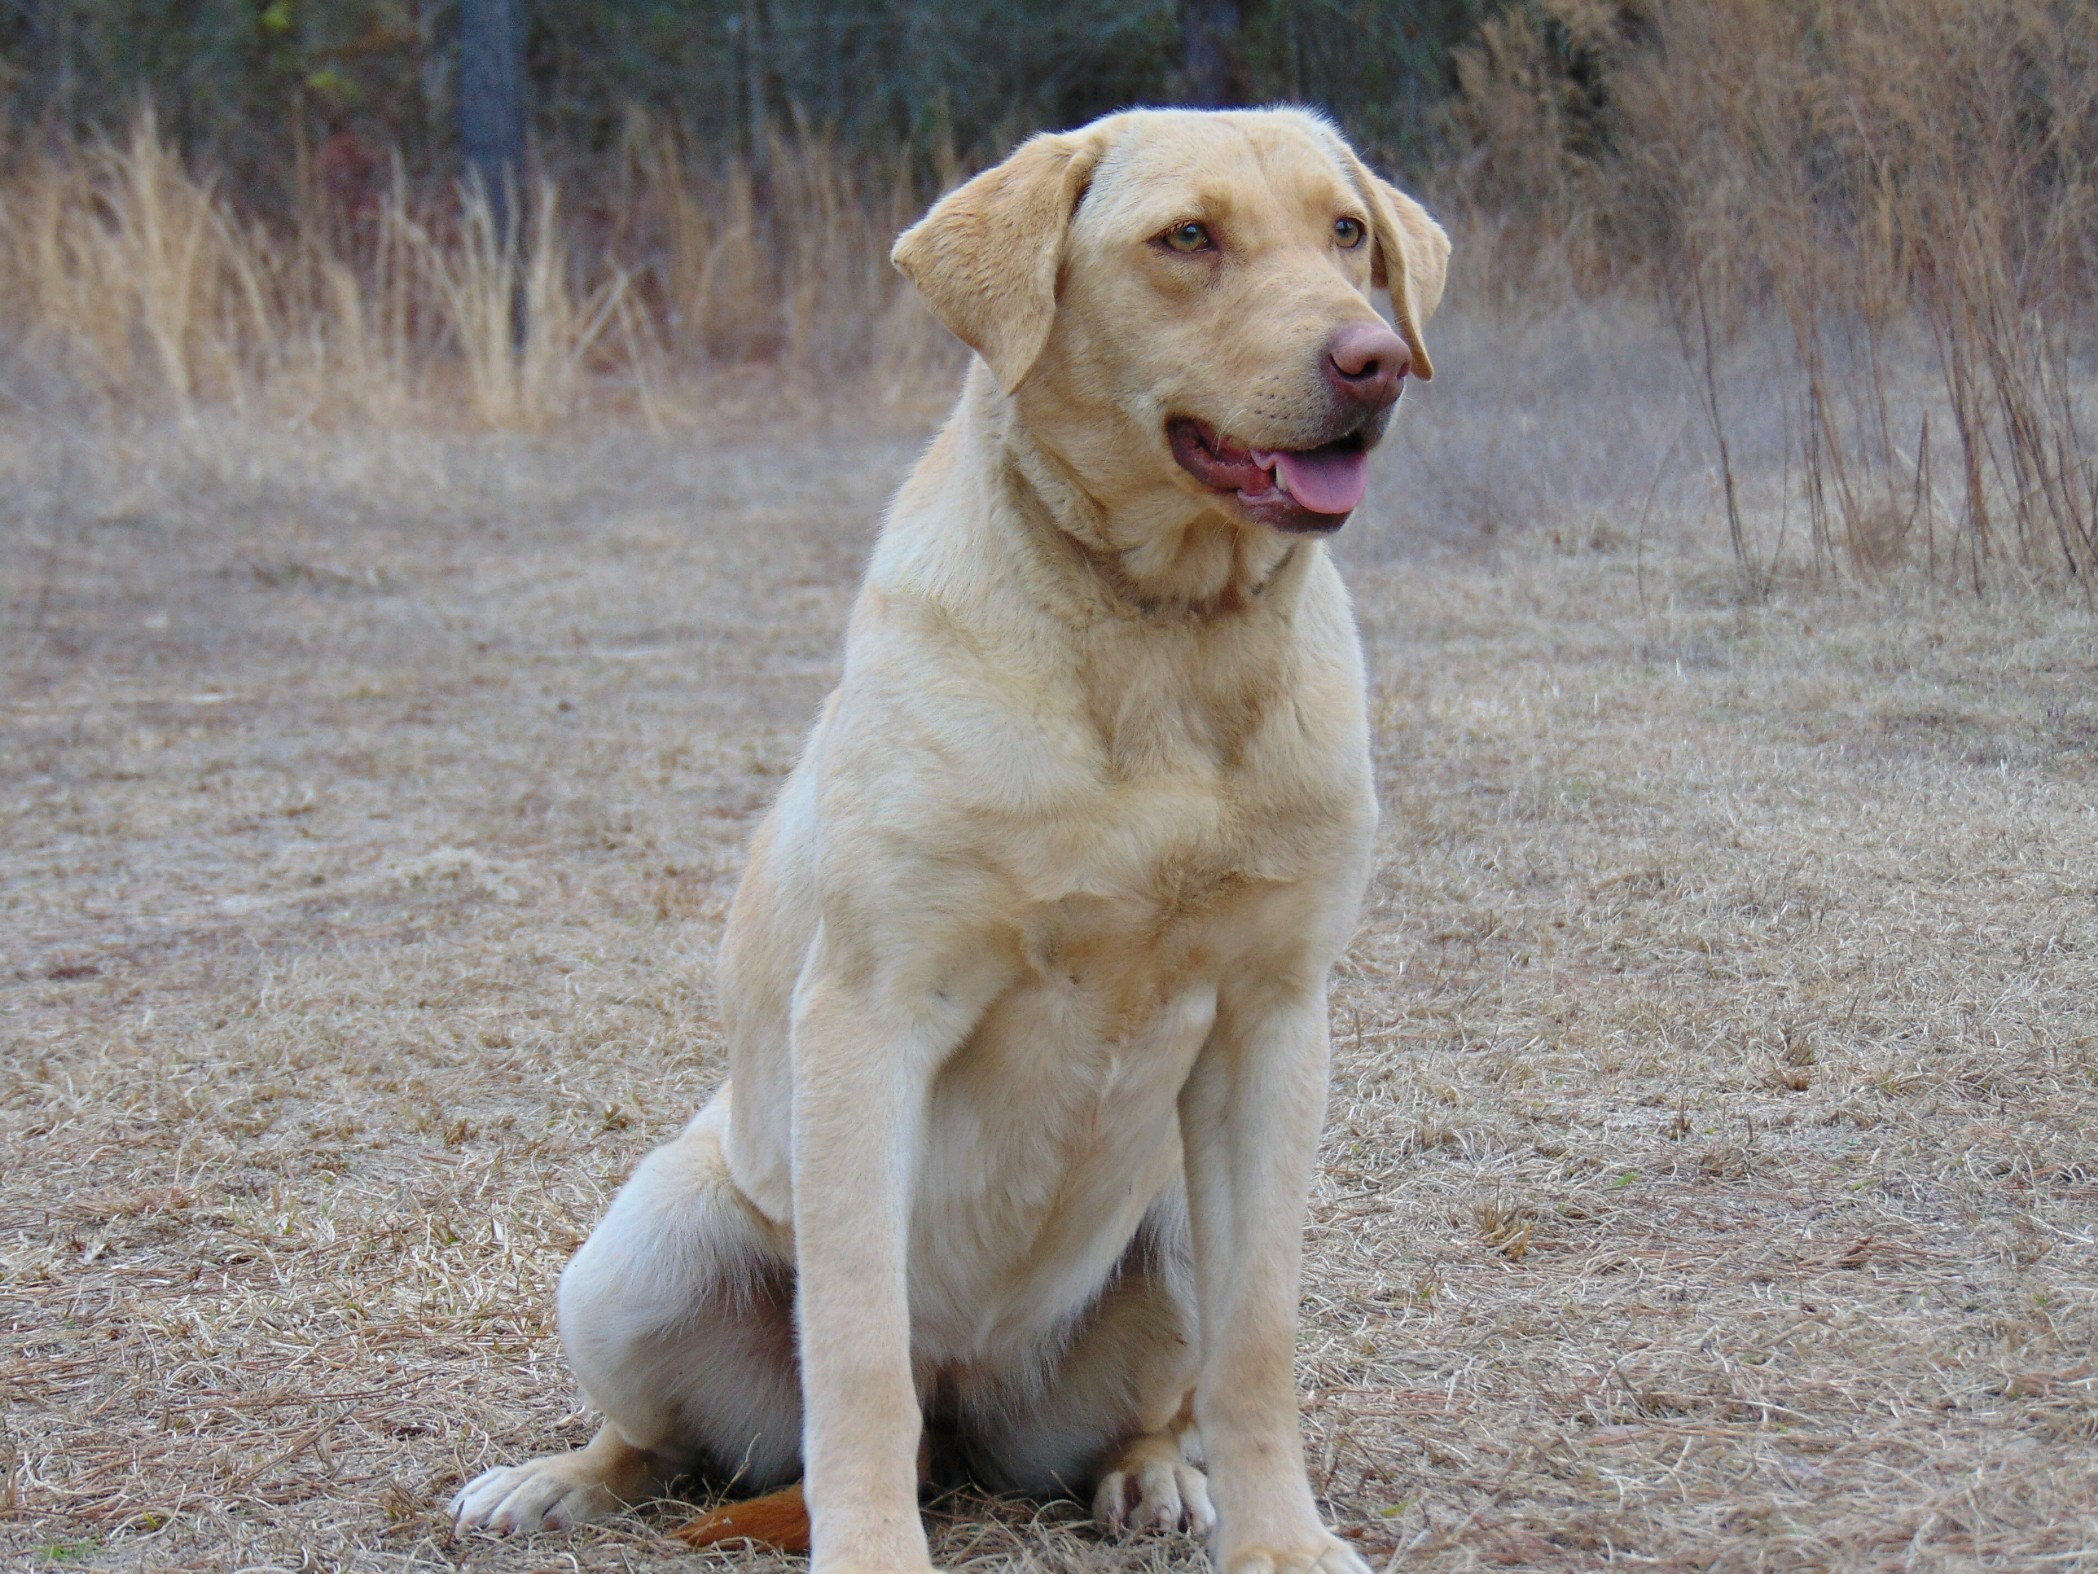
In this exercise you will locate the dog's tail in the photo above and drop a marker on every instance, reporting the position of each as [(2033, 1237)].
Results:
[(779, 1520)]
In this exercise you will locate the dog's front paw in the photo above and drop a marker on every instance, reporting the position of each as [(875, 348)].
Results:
[(545, 1494), (1328, 1555)]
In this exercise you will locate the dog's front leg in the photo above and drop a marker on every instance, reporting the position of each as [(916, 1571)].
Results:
[(1250, 1119), (860, 1081)]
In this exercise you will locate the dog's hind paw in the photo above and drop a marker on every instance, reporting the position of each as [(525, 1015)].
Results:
[(557, 1491), (541, 1495), (1150, 1486)]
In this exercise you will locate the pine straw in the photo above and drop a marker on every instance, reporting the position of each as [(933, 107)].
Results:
[(1710, 1181)]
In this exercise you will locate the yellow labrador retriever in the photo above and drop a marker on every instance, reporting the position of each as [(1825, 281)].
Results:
[(1025, 988)]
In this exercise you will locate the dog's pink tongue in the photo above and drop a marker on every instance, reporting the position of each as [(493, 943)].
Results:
[(1325, 480)]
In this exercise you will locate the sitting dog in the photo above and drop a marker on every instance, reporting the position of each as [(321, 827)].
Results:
[(1025, 987)]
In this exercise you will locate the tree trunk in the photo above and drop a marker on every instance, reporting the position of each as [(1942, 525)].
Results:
[(755, 101), (1216, 74), (491, 100)]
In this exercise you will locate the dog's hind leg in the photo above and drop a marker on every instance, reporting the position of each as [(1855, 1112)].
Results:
[(677, 1317), (1109, 1413)]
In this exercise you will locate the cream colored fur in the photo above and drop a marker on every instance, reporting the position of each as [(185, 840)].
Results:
[(1025, 987)]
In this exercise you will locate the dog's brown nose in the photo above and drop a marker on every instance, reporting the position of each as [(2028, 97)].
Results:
[(1367, 362)]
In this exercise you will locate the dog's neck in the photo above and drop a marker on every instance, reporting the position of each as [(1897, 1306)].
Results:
[(1150, 548)]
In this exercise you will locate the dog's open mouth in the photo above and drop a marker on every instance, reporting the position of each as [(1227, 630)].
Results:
[(1304, 489)]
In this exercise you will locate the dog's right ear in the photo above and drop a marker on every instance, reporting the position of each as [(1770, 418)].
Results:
[(985, 259)]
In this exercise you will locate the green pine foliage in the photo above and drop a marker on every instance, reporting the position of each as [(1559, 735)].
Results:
[(234, 80)]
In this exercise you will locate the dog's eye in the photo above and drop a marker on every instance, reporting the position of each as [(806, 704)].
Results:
[(1348, 232), (1188, 237)]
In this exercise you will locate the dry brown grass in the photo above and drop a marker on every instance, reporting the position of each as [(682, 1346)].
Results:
[(1711, 1174), (1904, 195), (134, 276)]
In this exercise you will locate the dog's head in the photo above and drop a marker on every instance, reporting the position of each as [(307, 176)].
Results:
[(1179, 298)]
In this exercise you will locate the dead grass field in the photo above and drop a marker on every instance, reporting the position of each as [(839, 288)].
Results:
[(1713, 1173)]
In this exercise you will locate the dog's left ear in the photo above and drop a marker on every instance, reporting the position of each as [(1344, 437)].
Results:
[(986, 257), (1411, 262)]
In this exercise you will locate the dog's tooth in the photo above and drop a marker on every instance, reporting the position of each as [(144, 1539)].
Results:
[(1281, 483)]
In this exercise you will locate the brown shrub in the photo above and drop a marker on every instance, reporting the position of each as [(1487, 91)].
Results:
[(1909, 191)]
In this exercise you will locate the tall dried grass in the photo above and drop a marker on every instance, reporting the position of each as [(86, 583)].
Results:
[(140, 278), (792, 266), (1906, 190)]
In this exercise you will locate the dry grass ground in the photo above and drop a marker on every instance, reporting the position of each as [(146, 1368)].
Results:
[(1712, 1181)]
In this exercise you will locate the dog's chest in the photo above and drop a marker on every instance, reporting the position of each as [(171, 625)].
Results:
[(1151, 885), (1179, 833), (1181, 807), (1056, 1125)]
